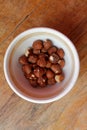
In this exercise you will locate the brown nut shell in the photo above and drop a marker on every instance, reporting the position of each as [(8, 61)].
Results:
[(41, 62), (60, 52), (38, 72), (27, 68), (33, 58), (36, 51), (38, 44), (59, 78), (27, 75), (54, 58), (43, 50), (23, 60), (50, 74), (32, 76), (52, 49), (41, 81), (42, 55), (51, 81), (61, 62), (33, 82), (47, 44), (56, 68), (34, 65), (48, 65)]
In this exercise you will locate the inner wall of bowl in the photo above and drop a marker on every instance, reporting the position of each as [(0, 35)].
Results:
[(22, 84)]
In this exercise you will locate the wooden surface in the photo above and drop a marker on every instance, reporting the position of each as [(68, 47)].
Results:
[(69, 17)]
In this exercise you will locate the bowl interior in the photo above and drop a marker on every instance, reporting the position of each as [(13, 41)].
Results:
[(15, 75)]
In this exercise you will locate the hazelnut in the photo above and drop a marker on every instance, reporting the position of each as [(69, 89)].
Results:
[(38, 71), (47, 44), (51, 50), (51, 81), (26, 75), (49, 74), (54, 58), (36, 51), (38, 44), (59, 78), (41, 55), (61, 62), (28, 52), (41, 81), (31, 75), (33, 82), (43, 50), (34, 65), (48, 65), (41, 62), (23, 60), (32, 58), (27, 68), (60, 52), (56, 68)]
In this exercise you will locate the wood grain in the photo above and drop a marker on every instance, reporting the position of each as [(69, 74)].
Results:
[(13, 13), (69, 17)]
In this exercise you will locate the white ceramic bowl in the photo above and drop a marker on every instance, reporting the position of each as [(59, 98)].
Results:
[(14, 74)]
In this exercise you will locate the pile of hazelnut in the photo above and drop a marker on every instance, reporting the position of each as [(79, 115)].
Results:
[(42, 64)]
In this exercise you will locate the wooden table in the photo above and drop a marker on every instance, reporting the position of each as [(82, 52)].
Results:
[(69, 17)]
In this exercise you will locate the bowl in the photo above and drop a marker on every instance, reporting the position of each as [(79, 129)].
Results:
[(14, 75)]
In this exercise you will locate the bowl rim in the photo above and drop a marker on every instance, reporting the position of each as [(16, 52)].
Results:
[(76, 59)]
